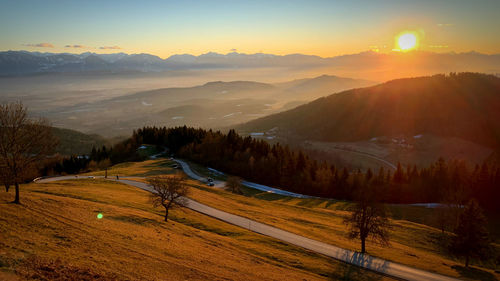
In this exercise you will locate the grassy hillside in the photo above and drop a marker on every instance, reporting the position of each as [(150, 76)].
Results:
[(55, 235), (464, 105), (72, 142), (415, 239)]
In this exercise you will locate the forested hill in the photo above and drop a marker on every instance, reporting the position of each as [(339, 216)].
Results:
[(465, 105), (72, 142)]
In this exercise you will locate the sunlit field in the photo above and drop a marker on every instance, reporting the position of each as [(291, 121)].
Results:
[(414, 240), (56, 232)]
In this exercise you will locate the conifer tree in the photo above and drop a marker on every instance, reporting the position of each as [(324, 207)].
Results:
[(471, 240)]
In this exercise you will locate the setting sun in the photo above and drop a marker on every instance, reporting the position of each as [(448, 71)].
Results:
[(407, 41)]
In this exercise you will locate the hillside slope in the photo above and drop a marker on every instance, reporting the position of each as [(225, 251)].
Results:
[(465, 105), (312, 88), (72, 142), (55, 235)]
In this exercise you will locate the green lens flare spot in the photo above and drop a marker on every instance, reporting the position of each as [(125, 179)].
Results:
[(99, 216)]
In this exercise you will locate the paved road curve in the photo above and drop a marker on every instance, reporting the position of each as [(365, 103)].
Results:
[(193, 175), (376, 264)]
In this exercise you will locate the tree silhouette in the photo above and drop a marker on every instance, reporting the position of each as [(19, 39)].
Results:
[(168, 192), (24, 143), (368, 218), (471, 240), (234, 184)]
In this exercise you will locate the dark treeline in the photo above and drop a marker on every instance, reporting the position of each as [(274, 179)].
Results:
[(278, 165), (99, 158), (64, 165)]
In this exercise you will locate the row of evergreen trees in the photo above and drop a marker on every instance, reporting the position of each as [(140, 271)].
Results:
[(279, 166), (99, 158)]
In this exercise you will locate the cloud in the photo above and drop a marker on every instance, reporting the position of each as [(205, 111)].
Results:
[(40, 45), (234, 50), (75, 46), (110, 48), (445, 24)]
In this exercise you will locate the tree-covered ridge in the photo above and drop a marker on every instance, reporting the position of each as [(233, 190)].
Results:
[(278, 165), (453, 182), (464, 105), (74, 142)]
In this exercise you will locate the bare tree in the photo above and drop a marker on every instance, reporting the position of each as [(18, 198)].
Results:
[(234, 184), (24, 142), (368, 218), (168, 192)]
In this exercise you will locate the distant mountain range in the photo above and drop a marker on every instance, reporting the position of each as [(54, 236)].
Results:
[(464, 105), (24, 62)]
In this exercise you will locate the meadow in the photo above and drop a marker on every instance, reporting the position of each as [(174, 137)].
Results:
[(55, 235), (415, 238)]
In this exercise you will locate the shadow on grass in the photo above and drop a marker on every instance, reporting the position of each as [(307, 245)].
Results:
[(135, 220), (157, 173), (163, 163), (345, 270), (268, 196), (474, 273), (311, 203), (70, 196)]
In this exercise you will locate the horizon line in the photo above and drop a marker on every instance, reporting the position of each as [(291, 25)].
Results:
[(261, 53)]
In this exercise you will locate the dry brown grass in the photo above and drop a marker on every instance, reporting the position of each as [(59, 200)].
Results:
[(145, 168), (56, 270), (412, 244), (55, 234)]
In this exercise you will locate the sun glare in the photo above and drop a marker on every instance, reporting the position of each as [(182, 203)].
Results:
[(407, 41)]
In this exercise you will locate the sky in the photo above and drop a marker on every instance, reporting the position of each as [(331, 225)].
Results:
[(314, 27)]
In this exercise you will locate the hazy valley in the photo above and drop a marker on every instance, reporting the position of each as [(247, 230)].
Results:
[(115, 104)]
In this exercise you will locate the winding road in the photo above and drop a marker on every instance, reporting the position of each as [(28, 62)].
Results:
[(221, 184), (381, 266), (195, 176)]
